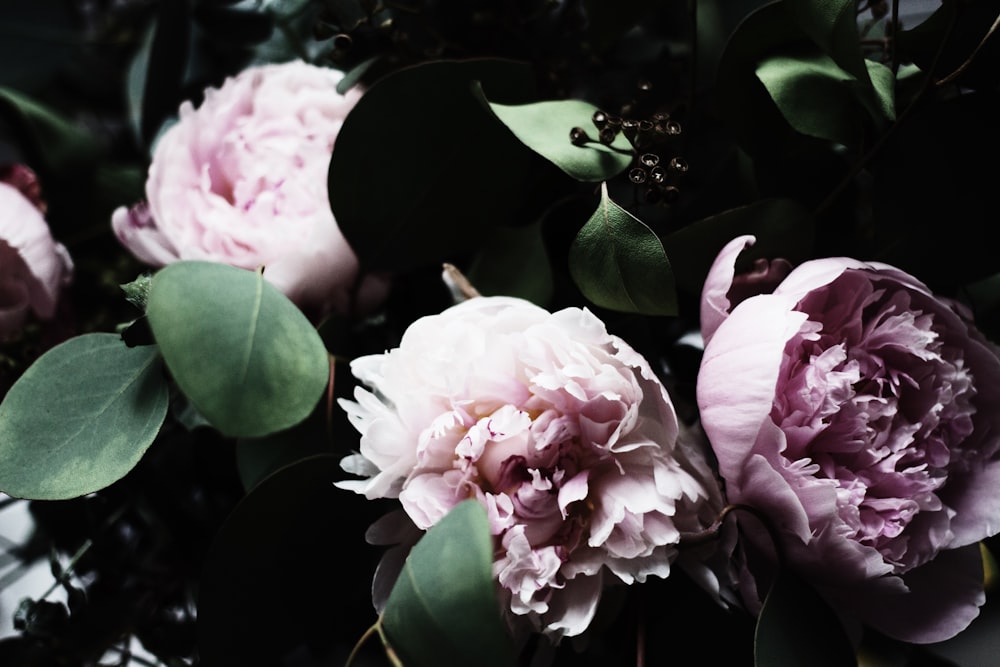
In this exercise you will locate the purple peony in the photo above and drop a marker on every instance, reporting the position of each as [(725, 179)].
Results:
[(34, 267), (861, 415), (562, 432)]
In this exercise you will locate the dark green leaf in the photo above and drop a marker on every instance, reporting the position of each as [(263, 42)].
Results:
[(80, 417), (607, 22), (246, 356), (619, 263), (166, 61), (783, 228), (545, 127), (52, 142), (514, 262), (796, 627), (443, 608), (289, 569), (256, 458), (820, 99), (832, 25), (741, 98), (421, 170)]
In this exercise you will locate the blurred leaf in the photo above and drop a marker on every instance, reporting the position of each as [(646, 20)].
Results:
[(832, 25), (452, 170), (783, 227), (246, 356), (37, 39), (53, 143), (80, 417), (619, 263), (514, 262), (820, 99), (796, 627), (545, 127), (165, 62), (289, 571), (443, 608)]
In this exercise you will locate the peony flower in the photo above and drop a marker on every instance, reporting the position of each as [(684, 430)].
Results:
[(558, 428), (242, 180), (861, 415), (33, 266)]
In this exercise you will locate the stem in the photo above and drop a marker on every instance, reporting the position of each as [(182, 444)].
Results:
[(968, 61), (357, 647), (874, 150), (893, 51), (712, 532), (389, 651), (84, 548)]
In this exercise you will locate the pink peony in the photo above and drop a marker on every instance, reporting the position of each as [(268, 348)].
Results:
[(562, 432), (33, 266), (861, 415), (242, 180)]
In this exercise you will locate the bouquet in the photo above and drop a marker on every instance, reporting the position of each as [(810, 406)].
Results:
[(350, 332)]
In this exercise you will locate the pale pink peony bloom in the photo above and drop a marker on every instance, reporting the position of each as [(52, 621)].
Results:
[(242, 180), (861, 415), (563, 433), (33, 266)]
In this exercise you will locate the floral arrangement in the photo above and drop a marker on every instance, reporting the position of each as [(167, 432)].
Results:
[(350, 332)]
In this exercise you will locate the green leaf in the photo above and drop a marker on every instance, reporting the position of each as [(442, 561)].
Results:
[(783, 227), (80, 417), (289, 569), (514, 262), (545, 127), (820, 99), (796, 627), (245, 356), (832, 25), (443, 608), (54, 143), (421, 170), (619, 263)]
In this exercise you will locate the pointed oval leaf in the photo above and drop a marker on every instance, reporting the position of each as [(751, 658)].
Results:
[(833, 26), (443, 608), (245, 356), (796, 627), (545, 128), (420, 136), (818, 98), (619, 263), (80, 417)]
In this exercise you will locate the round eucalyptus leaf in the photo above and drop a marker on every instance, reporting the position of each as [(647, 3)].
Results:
[(443, 608), (421, 171), (242, 353), (80, 417)]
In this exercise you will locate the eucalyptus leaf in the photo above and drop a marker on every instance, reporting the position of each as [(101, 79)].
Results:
[(80, 417), (796, 627), (242, 353), (619, 263), (443, 608), (832, 25), (545, 128), (820, 99), (452, 170)]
